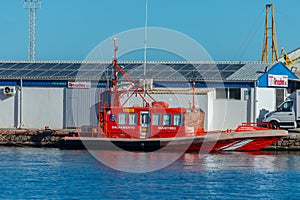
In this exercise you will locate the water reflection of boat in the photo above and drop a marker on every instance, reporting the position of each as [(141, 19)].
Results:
[(154, 125)]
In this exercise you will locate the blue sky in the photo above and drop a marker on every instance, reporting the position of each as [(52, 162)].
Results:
[(70, 29)]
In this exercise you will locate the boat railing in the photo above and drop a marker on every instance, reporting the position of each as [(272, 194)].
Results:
[(258, 124), (87, 131), (246, 126), (253, 126)]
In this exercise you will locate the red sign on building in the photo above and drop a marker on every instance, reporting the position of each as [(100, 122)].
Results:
[(79, 84), (277, 80)]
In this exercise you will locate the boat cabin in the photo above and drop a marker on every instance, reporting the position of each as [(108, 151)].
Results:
[(157, 121)]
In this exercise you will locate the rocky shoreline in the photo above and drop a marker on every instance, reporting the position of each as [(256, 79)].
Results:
[(53, 138), (34, 138), (289, 143)]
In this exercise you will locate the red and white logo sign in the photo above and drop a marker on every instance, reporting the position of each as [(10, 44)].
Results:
[(277, 80), (79, 84)]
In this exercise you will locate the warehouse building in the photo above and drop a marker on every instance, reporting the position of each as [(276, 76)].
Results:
[(64, 94)]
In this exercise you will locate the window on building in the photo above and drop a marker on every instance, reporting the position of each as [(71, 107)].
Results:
[(156, 119), (228, 93), (132, 119), (177, 120), (167, 119), (122, 118), (234, 93), (221, 93)]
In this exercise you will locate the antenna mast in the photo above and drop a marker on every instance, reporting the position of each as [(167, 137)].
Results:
[(32, 6), (265, 51), (145, 37)]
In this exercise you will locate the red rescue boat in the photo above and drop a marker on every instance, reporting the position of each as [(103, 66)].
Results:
[(154, 125)]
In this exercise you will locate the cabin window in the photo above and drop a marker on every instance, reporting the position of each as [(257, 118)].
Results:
[(144, 119), (177, 120), (167, 120), (286, 107), (156, 119), (122, 118), (133, 119), (112, 117), (228, 93)]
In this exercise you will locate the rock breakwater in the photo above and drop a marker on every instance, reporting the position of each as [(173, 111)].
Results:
[(36, 138), (289, 143)]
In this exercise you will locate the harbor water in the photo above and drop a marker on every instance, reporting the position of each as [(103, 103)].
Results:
[(50, 173)]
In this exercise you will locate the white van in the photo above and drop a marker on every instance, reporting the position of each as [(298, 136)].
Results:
[(287, 115)]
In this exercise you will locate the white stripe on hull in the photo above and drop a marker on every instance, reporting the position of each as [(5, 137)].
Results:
[(235, 145)]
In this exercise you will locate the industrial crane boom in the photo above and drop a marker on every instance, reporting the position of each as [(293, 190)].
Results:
[(290, 58)]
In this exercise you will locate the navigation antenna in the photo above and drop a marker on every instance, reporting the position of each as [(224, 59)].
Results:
[(265, 51), (145, 38), (145, 45), (32, 6)]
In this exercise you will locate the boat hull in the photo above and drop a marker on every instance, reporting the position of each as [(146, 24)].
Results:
[(217, 141)]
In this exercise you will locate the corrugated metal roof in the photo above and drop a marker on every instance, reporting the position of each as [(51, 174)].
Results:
[(250, 72)]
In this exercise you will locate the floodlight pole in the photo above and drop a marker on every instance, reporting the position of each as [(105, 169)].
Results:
[(32, 6)]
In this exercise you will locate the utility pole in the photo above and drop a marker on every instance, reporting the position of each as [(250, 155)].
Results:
[(265, 51), (32, 6)]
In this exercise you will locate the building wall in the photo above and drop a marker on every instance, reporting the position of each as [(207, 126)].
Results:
[(68, 108), (229, 113), (211, 95), (8, 107), (266, 101), (81, 107), (42, 107), (34, 107)]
